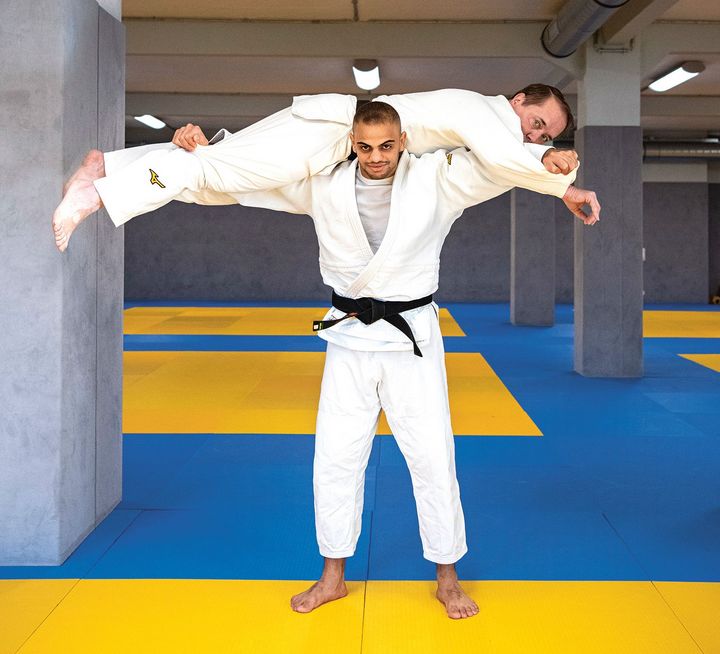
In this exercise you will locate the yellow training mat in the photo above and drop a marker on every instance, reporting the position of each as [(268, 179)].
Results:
[(711, 361), (240, 321), (24, 604), (189, 616), (278, 392), (681, 324), (697, 605), (545, 617)]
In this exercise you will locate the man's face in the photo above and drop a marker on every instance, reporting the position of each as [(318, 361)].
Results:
[(378, 148), (539, 122)]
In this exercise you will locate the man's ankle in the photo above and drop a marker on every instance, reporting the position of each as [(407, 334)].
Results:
[(446, 572), (333, 571)]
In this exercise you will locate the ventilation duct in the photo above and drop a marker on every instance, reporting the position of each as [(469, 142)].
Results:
[(652, 149), (575, 23), (681, 150)]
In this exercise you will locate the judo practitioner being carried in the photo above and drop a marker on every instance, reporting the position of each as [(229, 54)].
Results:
[(314, 134), (381, 221)]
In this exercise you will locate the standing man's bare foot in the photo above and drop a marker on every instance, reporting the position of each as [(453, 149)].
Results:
[(457, 604), (330, 587), (80, 198)]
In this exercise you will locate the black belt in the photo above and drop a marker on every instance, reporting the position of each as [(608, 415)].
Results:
[(369, 310)]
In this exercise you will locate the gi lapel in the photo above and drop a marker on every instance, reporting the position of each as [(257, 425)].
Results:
[(371, 269)]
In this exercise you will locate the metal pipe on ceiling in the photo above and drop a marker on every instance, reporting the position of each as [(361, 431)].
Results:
[(681, 150), (575, 23), (652, 149)]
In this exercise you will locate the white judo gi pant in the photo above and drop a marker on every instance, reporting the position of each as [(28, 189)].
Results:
[(413, 393), (283, 148)]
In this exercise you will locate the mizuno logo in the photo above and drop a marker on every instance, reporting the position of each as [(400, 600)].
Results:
[(154, 179), (448, 156)]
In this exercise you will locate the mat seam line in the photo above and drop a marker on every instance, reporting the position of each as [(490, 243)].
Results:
[(115, 540), (370, 535), (365, 586), (89, 570), (54, 608), (652, 583), (677, 617), (626, 546)]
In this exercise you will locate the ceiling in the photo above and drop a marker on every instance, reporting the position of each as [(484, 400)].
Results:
[(228, 63)]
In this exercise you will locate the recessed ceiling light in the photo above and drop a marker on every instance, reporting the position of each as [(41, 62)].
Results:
[(681, 74), (150, 121), (367, 74)]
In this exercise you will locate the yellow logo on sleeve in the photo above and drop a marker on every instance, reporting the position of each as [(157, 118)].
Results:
[(154, 178), (448, 156)]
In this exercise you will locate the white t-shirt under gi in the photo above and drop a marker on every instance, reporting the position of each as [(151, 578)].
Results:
[(373, 203)]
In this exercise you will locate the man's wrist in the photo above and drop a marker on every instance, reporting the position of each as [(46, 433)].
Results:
[(568, 191), (546, 153)]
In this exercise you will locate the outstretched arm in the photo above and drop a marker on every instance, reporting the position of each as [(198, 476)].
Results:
[(462, 182)]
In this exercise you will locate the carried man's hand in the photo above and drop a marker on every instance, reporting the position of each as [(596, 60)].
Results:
[(576, 198), (560, 162), (188, 137)]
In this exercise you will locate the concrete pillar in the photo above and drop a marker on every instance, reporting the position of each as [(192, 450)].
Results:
[(608, 256), (62, 93), (532, 258)]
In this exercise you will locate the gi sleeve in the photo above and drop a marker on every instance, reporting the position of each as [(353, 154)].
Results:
[(293, 198), (461, 182), (537, 150)]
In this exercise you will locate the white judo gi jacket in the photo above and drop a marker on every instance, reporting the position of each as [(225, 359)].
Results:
[(428, 194)]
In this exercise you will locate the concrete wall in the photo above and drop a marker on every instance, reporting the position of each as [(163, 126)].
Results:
[(235, 253), (60, 425), (475, 261), (564, 235), (221, 253), (185, 252), (714, 240), (675, 237)]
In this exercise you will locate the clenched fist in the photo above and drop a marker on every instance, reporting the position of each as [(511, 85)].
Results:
[(560, 162)]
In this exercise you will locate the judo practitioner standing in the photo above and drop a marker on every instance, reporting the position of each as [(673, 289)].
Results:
[(312, 135), (381, 221)]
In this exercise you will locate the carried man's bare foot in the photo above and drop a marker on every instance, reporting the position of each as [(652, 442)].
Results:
[(80, 198), (457, 603), (319, 593)]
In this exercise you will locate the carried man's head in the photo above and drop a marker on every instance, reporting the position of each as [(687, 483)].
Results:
[(377, 139), (543, 111)]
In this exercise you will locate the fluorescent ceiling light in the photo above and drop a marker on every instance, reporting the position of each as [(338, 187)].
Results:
[(681, 74), (367, 74), (150, 121)]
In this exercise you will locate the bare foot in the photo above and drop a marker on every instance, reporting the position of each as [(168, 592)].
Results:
[(457, 603), (319, 593), (80, 198)]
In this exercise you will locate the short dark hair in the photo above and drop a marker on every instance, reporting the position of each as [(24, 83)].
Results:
[(539, 93), (376, 113)]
